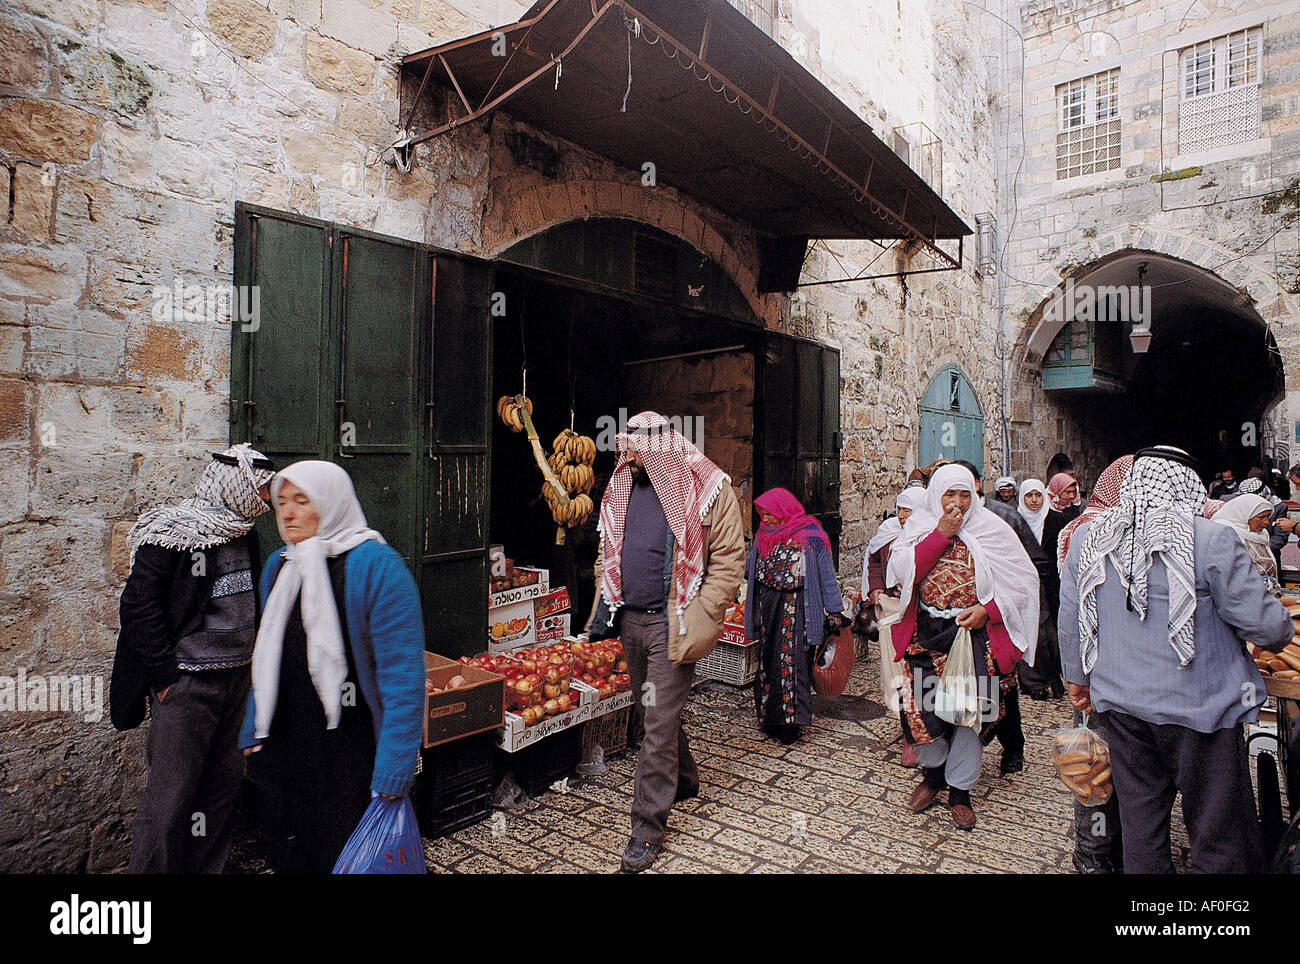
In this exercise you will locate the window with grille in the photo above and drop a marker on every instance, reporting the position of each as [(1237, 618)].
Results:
[(1220, 91), (1087, 125), (760, 12)]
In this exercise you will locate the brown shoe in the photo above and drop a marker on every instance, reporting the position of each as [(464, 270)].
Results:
[(922, 797), (963, 816)]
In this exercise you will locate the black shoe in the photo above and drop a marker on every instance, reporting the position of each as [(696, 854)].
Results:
[(1058, 689), (687, 793), (787, 735), (1094, 866), (1040, 696), (638, 856), (1012, 761)]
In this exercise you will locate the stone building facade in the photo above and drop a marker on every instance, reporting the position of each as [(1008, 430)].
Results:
[(1203, 186), (129, 129)]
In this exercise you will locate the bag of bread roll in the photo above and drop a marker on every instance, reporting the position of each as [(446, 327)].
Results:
[(1082, 761)]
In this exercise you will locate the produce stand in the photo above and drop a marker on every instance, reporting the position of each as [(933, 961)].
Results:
[(735, 659), (1286, 693)]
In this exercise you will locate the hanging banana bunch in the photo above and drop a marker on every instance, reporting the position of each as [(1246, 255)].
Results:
[(571, 460), (510, 410)]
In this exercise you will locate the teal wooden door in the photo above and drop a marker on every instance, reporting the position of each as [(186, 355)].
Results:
[(952, 421), (373, 352)]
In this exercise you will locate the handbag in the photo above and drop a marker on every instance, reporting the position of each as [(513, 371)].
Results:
[(833, 659)]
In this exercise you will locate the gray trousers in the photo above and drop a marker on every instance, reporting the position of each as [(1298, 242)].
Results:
[(665, 763), (186, 817), (959, 753)]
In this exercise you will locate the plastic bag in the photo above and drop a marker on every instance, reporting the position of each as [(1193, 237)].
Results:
[(386, 841), (594, 765), (1082, 761), (956, 698), (508, 795)]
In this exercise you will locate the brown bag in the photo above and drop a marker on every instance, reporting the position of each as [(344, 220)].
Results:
[(829, 680)]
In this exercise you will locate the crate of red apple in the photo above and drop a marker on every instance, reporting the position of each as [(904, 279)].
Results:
[(539, 682)]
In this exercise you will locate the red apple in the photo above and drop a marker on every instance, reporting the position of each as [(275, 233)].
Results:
[(552, 707)]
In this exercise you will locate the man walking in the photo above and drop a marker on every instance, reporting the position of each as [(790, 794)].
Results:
[(189, 619), (673, 555), (1156, 602)]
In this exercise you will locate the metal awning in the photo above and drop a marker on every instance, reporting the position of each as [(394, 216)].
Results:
[(719, 108)]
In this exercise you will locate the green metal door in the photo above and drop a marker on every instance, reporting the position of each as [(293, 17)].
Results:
[(798, 425), (372, 352)]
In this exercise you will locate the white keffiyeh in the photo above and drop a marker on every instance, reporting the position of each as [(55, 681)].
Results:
[(304, 574), (1157, 505)]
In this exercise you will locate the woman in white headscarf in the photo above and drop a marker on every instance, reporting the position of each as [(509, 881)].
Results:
[(876, 593), (958, 565), (338, 669), (1248, 515), (1033, 506)]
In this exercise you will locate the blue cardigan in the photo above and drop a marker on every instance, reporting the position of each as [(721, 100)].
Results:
[(821, 593), (386, 631)]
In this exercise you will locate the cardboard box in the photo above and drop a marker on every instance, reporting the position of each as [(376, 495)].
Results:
[(552, 629), (610, 705), (511, 627), (555, 601), (732, 633), (515, 736), (473, 708), (508, 597)]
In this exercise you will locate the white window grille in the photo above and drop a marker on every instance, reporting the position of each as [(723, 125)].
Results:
[(1220, 88), (761, 12), (1087, 125)]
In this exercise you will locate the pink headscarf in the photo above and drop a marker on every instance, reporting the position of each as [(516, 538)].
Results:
[(793, 521), (1060, 482)]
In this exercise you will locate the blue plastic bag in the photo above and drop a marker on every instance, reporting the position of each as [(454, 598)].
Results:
[(386, 841)]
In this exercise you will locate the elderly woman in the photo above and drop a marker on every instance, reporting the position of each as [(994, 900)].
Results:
[(790, 590), (338, 668), (1248, 516), (875, 592), (958, 565)]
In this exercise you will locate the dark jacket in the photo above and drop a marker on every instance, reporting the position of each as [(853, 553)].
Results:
[(162, 601)]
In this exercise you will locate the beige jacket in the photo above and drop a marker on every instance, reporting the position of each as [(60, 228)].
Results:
[(724, 569)]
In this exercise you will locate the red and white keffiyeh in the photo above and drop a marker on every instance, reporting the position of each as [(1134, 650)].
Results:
[(1105, 495), (686, 483)]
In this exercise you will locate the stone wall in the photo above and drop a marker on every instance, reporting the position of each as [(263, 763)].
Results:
[(1230, 211), (128, 130)]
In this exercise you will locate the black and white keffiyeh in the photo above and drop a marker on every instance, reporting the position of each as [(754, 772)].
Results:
[(1157, 504), (1257, 487), (224, 506)]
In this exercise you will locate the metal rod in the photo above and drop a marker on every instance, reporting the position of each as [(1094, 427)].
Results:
[(686, 354), (455, 83), (419, 93)]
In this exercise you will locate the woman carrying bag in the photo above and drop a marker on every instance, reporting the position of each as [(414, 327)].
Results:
[(790, 590), (338, 667), (958, 566)]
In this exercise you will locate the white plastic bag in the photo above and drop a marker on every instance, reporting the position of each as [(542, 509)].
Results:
[(956, 698)]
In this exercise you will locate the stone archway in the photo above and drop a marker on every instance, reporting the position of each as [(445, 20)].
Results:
[(541, 206)]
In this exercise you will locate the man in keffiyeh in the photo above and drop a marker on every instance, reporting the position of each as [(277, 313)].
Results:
[(189, 617), (672, 557), (1156, 604)]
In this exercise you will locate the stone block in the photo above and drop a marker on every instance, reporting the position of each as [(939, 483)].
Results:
[(78, 483), (360, 25), (33, 200), (58, 273), (303, 12), (17, 400), (48, 556), (246, 26), (160, 351), (329, 63), (24, 62), (45, 131)]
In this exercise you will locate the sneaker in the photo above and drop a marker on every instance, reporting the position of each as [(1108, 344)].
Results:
[(639, 855)]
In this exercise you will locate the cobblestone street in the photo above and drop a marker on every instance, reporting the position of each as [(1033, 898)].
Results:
[(832, 803)]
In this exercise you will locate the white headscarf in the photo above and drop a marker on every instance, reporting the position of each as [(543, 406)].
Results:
[(1003, 571), (1238, 512), (911, 498), (1035, 519), (1003, 482), (1157, 504), (342, 527)]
